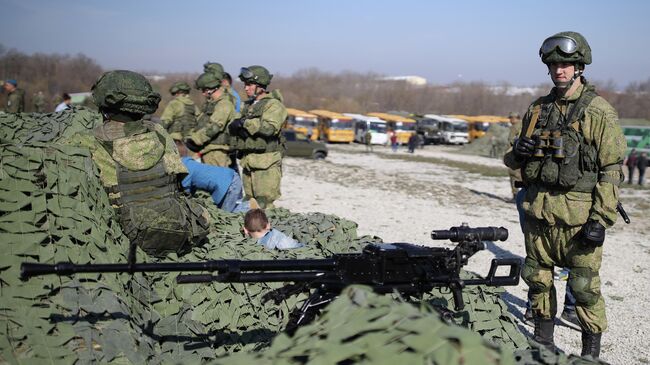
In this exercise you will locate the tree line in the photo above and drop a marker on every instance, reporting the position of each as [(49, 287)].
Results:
[(307, 89)]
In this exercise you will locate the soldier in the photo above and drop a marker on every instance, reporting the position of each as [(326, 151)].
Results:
[(515, 174), (39, 102), (226, 81), (15, 97), (256, 136), (210, 137), (570, 150), (140, 168), (179, 116)]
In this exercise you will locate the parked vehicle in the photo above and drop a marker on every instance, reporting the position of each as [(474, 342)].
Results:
[(479, 124), (304, 122), (334, 127), (376, 126), (404, 127), (298, 145), (429, 129), (452, 130)]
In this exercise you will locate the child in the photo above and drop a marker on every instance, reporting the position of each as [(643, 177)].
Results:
[(256, 225)]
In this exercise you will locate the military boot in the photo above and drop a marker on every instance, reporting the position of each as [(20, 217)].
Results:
[(544, 332), (591, 344)]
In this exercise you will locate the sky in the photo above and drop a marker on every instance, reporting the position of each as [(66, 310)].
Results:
[(442, 41)]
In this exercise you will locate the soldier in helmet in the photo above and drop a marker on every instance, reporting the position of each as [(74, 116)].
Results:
[(15, 97), (570, 152), (226, 81), (140, 168), (210, 137), (179, 116), (256, 136)]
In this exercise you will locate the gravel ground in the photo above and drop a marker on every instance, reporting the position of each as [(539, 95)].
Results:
[(401, 200)]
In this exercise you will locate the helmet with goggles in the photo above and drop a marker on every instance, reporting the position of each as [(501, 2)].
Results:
[(565, 47), (255, 75)]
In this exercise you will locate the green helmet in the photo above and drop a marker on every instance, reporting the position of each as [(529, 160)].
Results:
[(209, 80), (180, 86), (565, 47), (125, 91), (255, 75), (213, 67)]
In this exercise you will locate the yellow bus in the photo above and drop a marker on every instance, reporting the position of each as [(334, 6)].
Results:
[(302, 121), (334, 127), (479, 124), (404, 127)]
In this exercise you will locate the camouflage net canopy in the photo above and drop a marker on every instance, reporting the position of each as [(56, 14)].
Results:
[(361, 327), (496, 134), (53, 208)]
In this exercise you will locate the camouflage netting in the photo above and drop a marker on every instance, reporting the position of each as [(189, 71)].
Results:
[(496, 134), (53, 208), (361, 327)]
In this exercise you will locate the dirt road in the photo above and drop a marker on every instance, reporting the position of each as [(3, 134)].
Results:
[(401, 197)]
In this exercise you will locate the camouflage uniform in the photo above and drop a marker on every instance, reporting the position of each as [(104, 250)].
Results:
[(514, 174), (140, 167), (555, 217), (39, 102), (16, 101), (262, 172), (212, 133), (179, 117)]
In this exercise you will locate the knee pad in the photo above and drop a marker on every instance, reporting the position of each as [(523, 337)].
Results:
[(585, 285), (538, 278)]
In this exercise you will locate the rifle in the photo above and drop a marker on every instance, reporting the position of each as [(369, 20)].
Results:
[(393, 267)]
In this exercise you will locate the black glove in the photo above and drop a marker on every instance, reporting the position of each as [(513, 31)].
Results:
[(235, 126), (192, 146), (593, 233), (524, 147)]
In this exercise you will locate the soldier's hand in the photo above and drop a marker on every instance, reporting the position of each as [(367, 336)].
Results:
[(593, 233), (192, 146), (524, 147), (235, 126)]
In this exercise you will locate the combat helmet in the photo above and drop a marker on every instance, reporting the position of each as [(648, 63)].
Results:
[(180, 86), (255, 74), (125, 92), (209, 80), (213, 67), (566, 47)]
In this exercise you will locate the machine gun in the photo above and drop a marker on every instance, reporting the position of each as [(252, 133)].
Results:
[(394, 267)]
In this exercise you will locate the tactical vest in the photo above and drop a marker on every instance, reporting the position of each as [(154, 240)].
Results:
[(184, 123), (247, 143), (221, 138), (578, 169), (152, 211)]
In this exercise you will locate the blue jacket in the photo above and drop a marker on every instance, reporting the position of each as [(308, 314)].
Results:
[(276, 239), (213, 179)]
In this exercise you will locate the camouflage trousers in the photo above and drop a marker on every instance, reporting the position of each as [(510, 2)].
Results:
[(216, 158), (261, 180), (561, 245)]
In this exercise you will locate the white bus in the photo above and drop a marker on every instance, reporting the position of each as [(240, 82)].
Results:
[(363, 123), (452, 130)]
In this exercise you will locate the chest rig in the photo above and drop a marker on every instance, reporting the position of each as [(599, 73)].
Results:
[(563, 159), (247, 143), (184, 123)]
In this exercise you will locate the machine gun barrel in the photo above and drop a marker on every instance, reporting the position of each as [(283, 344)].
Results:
[(465, 233)]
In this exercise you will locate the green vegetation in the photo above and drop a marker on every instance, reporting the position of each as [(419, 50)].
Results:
[(634, 121)]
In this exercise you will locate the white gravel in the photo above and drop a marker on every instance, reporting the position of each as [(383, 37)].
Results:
[(402, 201)]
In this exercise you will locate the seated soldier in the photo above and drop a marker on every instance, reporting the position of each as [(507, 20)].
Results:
[(140, 167), (257, 225)]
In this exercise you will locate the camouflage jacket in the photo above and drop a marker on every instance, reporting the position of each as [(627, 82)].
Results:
[(266, 122), (176, 112), (16, 101), (600, 128), (213, 122), (137, 146)]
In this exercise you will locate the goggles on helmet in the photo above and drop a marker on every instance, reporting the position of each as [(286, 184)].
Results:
[(565, 44), (247, 75)]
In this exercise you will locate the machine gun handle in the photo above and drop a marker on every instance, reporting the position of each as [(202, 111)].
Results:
[(514, 264), (457, 292)]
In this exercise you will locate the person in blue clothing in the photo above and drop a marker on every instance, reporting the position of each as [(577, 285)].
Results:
[(227, 81), (257, 226)]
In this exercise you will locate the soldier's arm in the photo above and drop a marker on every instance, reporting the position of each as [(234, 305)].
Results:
[(607, 136), (223, 113), (271, 121), (172, 110)]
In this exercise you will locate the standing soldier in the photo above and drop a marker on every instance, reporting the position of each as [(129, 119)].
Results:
[(210, 137), (226, 82), (179, 116), (256, 136), (15, 97), (570, 150), (39, 102)]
